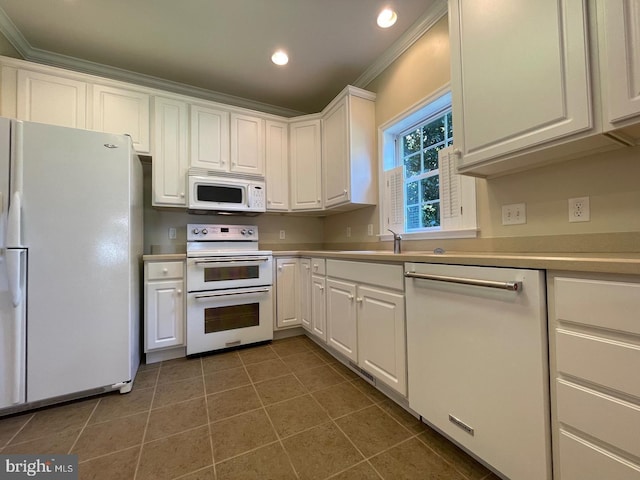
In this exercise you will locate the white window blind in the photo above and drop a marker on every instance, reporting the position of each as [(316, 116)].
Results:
[(394, 199), (457, 194)]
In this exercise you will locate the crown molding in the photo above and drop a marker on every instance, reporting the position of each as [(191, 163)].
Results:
[(437, 10)]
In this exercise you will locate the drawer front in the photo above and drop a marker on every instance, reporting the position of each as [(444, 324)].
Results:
[(606, 362), (318, 266), (163, 270), (606, 418), (379, 274), (580, 460), (598, 303)]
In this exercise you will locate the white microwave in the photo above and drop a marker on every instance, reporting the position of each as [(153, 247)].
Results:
[(226, 194)]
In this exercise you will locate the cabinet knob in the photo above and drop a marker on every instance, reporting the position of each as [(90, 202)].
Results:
[(321, 287), (269, 201), (315, 266), (350, 297), (280, 268), (344, 192), (359, 299), (307, 267), (181, 194), (179, 292), (457, 151), (165, 270)]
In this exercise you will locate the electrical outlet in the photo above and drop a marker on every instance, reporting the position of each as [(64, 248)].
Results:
[(579, 209), (514, 214), (172, 233), (348, 232), (283, 234), (370, 229)]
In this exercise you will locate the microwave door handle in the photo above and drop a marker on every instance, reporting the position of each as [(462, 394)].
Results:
[(226, 293)]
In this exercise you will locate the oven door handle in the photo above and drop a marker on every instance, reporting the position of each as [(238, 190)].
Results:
[(226, 293), (233, 259)]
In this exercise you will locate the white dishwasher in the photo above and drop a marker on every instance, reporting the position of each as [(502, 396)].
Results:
[(478, 362)]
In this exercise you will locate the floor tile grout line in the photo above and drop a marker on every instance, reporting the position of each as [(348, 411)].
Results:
[(441, 457), (279, 440), (206, 407), (93, 411), (8, 442), (146, 425)]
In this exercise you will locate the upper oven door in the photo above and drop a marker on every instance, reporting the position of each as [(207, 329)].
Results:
[(221, 272)]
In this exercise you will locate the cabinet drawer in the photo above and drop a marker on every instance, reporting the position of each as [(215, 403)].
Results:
[(318, 266), (598, 303), (610, 363), (580, 460), (380, 274), (162, 270), (606, 418)]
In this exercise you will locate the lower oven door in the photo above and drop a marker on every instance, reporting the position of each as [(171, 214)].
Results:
[(226, 272), (228, 318)]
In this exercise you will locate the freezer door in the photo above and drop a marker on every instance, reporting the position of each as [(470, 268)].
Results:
[(12, 327)]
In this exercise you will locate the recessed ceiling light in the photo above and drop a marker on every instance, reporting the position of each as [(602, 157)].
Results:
[(386, 18), (280, 58)]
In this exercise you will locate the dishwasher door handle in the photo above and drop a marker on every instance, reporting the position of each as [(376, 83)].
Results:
[(512, 286)]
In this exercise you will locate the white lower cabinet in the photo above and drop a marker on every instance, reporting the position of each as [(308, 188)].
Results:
[(305, 293), (595, 388), (365, 318), (342, 329), (164, 306), (287, 292), (319, 306)]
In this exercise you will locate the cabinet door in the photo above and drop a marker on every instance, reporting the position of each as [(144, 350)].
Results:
[(287, 305), (342, 328), (170, 162), (503, 102), (247, 144), (335, 154), (118, 110), (164, 318), (209, 138), (381, 336), (277, 166), (305, 293), (306, 167), (319, 307), (620, 37), (50, 99)]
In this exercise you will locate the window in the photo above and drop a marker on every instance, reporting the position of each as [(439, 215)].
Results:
[(424, 197), (418, 153)]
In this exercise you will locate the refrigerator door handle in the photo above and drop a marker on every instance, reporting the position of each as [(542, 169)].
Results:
[(14, 222), (15, 274)]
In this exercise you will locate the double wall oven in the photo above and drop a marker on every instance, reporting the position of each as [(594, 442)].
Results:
[(229, 285)]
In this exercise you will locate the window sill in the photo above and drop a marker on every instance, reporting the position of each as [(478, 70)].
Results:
[(437, 235)]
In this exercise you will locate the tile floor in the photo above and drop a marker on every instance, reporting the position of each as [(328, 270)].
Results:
[(282, 411)]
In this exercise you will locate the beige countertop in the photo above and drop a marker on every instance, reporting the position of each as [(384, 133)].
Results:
[(616, 263)]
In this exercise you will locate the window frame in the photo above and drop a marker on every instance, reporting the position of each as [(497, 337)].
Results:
[(429, 108)]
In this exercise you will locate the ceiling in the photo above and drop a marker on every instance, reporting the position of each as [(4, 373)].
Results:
[(222, 46)]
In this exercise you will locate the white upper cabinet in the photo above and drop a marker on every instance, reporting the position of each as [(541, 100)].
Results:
[(170, 152), (277, 165), (247, 144), (119, 110), (209, 138), (348, 150), (521, 83), (51, 99), (306, 164), (619, 35)]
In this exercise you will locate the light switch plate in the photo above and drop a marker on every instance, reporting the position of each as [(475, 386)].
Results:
[(514, 214)]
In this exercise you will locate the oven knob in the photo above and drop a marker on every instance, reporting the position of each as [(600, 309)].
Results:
[(196, 231), (243, 231), (250, 232), (204, 231)]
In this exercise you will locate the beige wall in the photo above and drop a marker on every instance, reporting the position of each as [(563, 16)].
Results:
[(611, 180), (7, 49)]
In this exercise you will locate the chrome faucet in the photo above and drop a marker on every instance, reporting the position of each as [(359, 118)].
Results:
[(397, 242)]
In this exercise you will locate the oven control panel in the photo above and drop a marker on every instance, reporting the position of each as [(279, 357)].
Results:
[(202, 232)]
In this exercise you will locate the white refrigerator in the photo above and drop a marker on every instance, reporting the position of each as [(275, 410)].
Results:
[(71, 246)]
